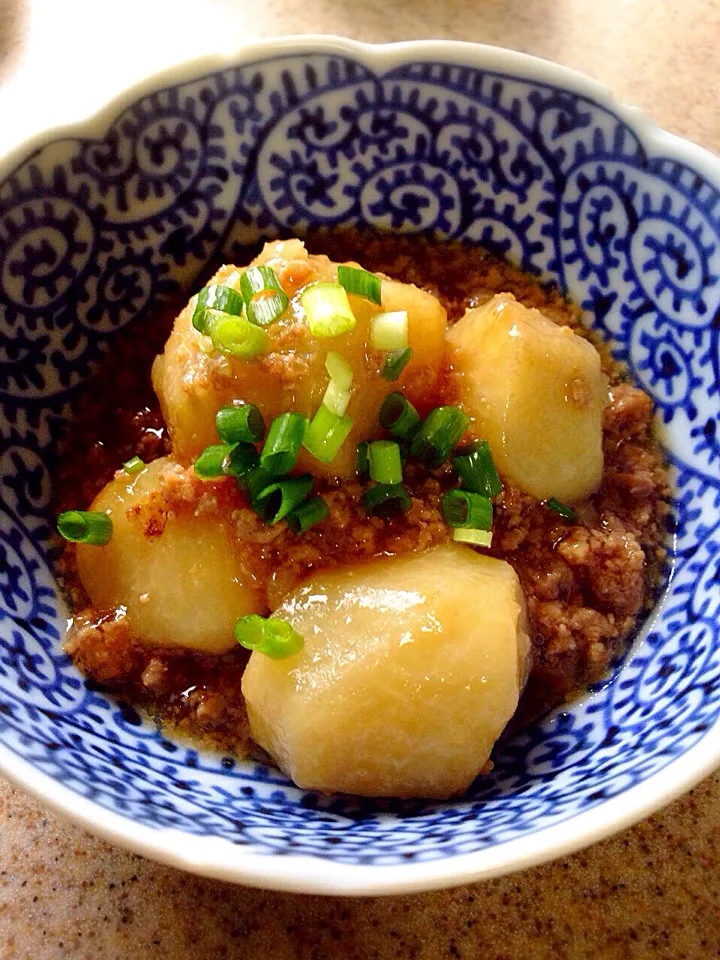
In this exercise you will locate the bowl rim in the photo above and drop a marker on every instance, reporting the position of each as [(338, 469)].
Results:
[(219, 858)]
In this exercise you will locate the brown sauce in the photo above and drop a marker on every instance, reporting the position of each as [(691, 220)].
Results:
[(586, 584)]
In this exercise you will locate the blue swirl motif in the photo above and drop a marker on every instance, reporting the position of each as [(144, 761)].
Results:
[(93, 231)]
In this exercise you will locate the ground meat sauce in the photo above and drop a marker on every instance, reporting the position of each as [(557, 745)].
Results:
[(586, 583)]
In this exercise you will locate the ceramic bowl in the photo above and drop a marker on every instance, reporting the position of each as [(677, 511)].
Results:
[(529, 159)]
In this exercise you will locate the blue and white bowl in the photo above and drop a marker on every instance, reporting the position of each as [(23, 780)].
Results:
[(529, 159)]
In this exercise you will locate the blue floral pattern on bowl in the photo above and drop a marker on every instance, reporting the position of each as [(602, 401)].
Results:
[(92, 231)]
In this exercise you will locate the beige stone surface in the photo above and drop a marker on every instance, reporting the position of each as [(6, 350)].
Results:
[(649, 894), (653, 891)]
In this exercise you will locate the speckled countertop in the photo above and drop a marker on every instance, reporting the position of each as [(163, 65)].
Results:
[(653, 891)]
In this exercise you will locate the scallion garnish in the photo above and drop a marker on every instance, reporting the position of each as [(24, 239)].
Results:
[(210, 462), (241, 423), (216, 297), (361, 283), (339, 370), (387, 500), (255, 481), (326, 433), (478, 538), (337, 395), (385, 462), (133, 465), (272, 637), (235, 335), (282, 446), (476, 469), (440, 432), (328, 309), (277, 500), (363, 462), (336, 399), (249, 631), (463, 509), (307, 515), (562, 509), (242, 458), (399, 416), (267, 309), (395, 363), (389, 331), (265, 299), (85, 526)]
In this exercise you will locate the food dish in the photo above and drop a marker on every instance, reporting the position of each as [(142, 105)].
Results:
[(205, 537), (550, 172)]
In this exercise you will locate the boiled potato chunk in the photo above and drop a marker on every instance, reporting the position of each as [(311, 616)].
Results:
[(411, 668), (536, 392), (192, 380), (173, 571)]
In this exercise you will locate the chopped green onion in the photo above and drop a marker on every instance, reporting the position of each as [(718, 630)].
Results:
[(307, 515), (267, 309), (272, 637), (85, 526), (385, 462), (395, 363), (281, 640), (328, 309), (436, 438), (210, 462), (389, 331), (234, 335), (399, 416), (562, 509), (326, 434), (463, 509), (336, 399), (249, 631), (363, 461), (479, 538), (258, 280), (216, 297), (255, 481), (282, 446), (476, 469), (276, 501), (241, 423), (387, 500), (339, 370), (337, 395), (133, 465), (241, 459), (263, 294), (360, 282)]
